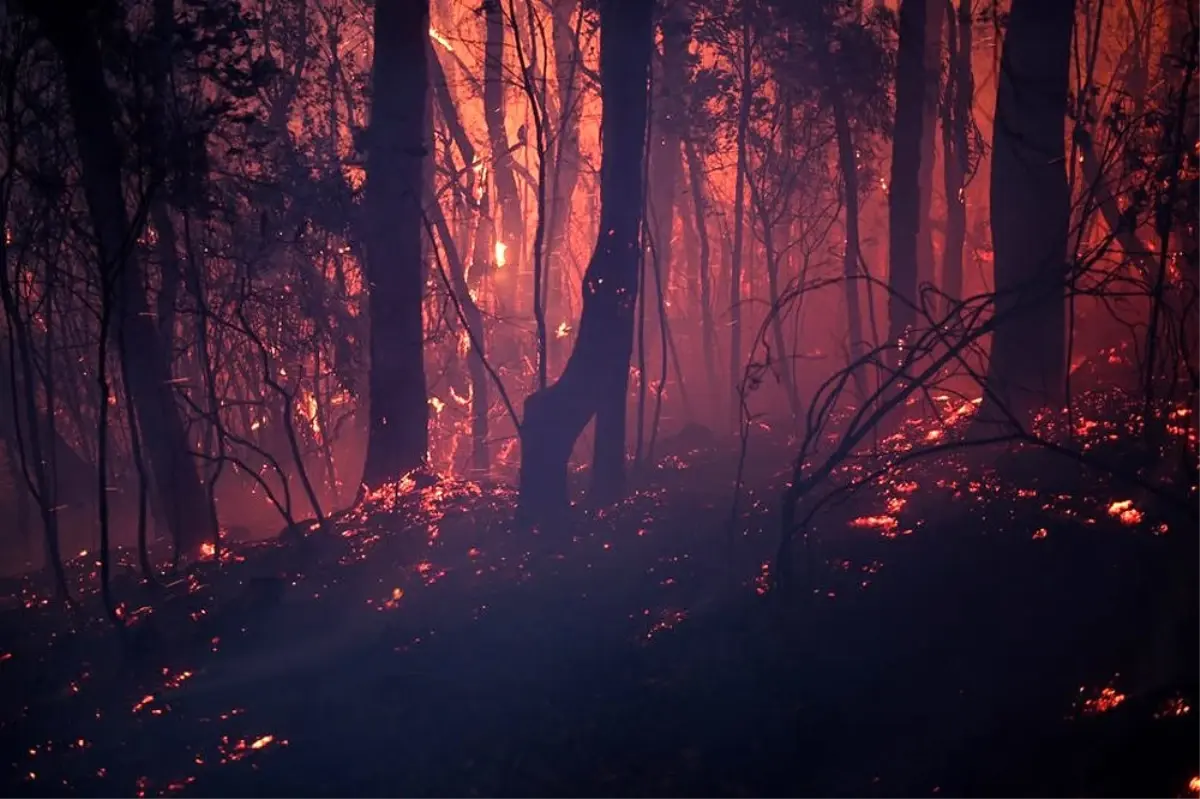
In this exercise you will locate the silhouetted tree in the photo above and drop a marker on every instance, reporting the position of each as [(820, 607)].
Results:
[(594, 381), (396, 176), (1030, 203)]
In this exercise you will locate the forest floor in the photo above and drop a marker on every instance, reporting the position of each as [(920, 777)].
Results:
[(958, 633)]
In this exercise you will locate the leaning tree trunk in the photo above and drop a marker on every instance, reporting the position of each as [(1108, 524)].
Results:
[(178, 492), (1030, 203), (594, 381), (904, 193), (396, 174)]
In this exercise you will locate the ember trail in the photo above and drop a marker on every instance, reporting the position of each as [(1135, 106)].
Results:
[(599, 397)]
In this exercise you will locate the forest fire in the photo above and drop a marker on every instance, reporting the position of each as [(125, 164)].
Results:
[(400, 377)]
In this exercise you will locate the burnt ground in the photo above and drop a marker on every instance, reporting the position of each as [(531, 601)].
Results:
[(423, 647)]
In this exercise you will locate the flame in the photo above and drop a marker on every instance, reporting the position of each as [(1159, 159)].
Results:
[(563, 330), (501, 254), (436, 404), (437, 36), (208, 549)]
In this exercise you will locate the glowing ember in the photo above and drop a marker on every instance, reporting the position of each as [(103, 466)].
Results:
[(208, 549), (885, 523), (501, 254), (1175, 707), (563, 330), (1041, 532), (1123, 509), (1106, 700), (1194, 785)]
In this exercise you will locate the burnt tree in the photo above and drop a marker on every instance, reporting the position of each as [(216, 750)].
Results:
[(595, 379), (1030, 202), (396, 175)]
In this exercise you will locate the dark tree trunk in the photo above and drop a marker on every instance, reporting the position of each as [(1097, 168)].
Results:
[(666, 129), (595, 379), (506, 201), (1030, 203), (707, 328), (935, 14), (779, 354), (739, 223), (396, 176), (956, 153), (904, 193), (849, 168), (177, 487)]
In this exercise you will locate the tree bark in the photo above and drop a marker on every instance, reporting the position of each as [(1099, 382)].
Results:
[(666, 130), (904, 193), (177, 486), (739, 214), (849, 169), (707, 328), (566, 157), (396, 177), (1030, 203), (935, 14), (594, 381), (506, 200), (956, 153)]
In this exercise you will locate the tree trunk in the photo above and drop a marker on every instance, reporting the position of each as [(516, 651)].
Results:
[(666, 130), (849, 169), (1030, 203), (177, 488), (506, 201), (707, 328), (739, 213), (566, 157), (780, 354), (904, 193), (956, 153), (594, 381), (935, 14), (396, 176)]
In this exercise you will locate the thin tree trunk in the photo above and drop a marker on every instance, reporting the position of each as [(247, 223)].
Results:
[(396, 176), (177, 486), (780, 355), (666, 131), (594, 382), (850, 273), (739, 213), (707, 328)]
